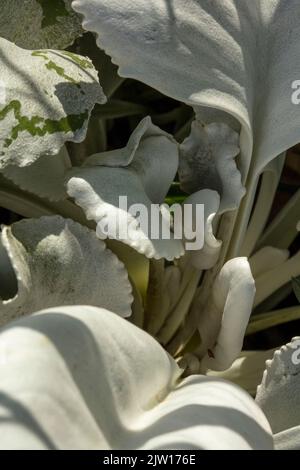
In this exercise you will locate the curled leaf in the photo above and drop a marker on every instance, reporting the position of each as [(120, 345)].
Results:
[(207, 256), (222, 327), (208, 161), (119, 189)]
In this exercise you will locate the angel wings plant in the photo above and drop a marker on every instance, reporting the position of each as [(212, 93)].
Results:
[(75, 374)]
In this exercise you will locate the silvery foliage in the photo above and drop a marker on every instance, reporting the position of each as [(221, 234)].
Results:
[(108, 383)]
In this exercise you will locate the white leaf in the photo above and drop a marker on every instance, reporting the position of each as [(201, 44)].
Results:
[(222, 327), (208, 255), (52, 261), (237, 57), (208, 161), (118, 389), (279, 395), (45, 177), (48, 98), (142, 172)]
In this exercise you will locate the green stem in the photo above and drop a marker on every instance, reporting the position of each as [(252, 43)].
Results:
[(272, 280), (264, 321), (177, 316), (242, 218), (282, 230), (263, 205)]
